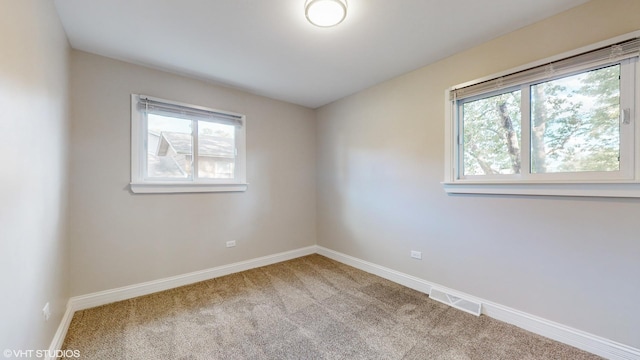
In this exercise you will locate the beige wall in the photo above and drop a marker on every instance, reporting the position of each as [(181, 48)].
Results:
[(118, 238), (380, 163), (33, 138)]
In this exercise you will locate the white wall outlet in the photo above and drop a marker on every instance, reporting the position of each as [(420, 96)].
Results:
[(231, 243), (46, 312), (416, 254)]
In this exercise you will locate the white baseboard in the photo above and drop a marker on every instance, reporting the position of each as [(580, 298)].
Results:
[(83, 302), (58, 338), (389, 274), (580, 339), (549, 329), (128, 292)]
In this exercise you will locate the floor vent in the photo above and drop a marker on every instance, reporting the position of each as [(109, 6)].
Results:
[(459, 303)]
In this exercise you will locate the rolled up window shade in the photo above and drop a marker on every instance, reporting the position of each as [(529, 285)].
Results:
[(156, 107), (602, 56)]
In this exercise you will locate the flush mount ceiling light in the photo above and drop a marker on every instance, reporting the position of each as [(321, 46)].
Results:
[(325, 13)]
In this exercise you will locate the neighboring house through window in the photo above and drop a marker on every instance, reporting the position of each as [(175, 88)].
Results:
[(178, 147)]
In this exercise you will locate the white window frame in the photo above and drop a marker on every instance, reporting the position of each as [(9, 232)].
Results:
[(142, 184), (625, 183)]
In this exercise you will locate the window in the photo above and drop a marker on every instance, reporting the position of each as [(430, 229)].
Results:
[(177, 147), (563, 126)]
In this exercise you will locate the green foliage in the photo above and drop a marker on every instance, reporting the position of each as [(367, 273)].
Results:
[(485, 146), (574, 126)]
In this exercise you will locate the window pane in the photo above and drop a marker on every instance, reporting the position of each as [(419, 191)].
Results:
[(491, 129), (575, 123), (216, 150), (169, 147)]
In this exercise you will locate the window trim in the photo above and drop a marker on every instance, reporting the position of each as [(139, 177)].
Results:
[(141, 184), (517, 185)]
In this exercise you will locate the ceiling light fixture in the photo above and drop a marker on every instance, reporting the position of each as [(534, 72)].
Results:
[(325, 13)]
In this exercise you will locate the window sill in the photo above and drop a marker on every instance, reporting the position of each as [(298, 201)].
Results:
[(170, 188), (624, 190)]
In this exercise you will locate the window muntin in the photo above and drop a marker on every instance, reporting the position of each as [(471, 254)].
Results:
[(179, 147)]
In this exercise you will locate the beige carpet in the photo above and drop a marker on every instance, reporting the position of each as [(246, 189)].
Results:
[(307, 308)]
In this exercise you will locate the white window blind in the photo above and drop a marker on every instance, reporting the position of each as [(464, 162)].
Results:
[(153, 106), (616, 52)]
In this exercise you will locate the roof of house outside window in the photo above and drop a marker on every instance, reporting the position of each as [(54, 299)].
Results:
[(208, 145)]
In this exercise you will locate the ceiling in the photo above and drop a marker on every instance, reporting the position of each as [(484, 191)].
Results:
[(267, 47)]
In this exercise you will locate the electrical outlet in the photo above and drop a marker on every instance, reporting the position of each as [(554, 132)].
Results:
[(416, 254), (46, 312), (231, 243)]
